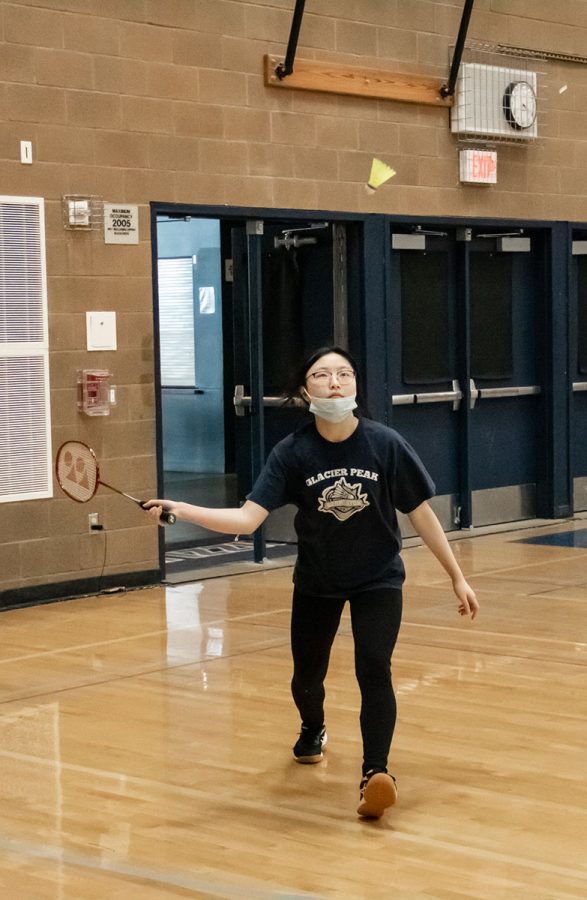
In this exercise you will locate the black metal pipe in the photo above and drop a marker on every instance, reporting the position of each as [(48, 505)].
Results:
[(286, 68), (447, 90)]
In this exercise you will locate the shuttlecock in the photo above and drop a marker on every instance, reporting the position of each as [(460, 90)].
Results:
[(380, 173)]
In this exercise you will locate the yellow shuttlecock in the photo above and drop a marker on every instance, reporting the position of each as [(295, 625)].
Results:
[(380, 173)]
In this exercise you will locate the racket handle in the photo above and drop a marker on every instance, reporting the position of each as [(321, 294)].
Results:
[(168, 517)]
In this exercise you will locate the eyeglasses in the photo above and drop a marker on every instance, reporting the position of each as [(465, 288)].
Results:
[(322, 376)]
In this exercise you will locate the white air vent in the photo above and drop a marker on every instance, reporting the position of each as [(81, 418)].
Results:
[(25, 426), (496, 102)]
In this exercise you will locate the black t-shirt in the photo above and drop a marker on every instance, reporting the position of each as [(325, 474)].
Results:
[(347, 494)]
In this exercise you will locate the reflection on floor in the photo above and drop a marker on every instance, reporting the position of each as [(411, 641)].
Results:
[(563, 539)]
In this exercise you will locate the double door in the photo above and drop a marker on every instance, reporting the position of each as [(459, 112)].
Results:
[(466, 307)]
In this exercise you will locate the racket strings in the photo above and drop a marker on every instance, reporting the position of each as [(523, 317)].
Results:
[(77, 471)]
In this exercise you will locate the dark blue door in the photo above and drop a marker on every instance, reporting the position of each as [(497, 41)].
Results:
[(426, 393), (578, 369), (280, 316), (466, 307), (505, 311)]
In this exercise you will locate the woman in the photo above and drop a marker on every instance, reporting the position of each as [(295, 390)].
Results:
[(347, 476)]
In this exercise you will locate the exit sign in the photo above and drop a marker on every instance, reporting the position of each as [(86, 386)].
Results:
[(478, 166)]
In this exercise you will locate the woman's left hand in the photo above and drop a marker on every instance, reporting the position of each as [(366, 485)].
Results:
[(468, 603)]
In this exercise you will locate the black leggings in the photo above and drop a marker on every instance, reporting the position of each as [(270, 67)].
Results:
[(375, 617)]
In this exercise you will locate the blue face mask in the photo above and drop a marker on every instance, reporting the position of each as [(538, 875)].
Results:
[(333, 409)]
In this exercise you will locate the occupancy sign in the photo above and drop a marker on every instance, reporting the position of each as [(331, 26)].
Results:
[(121, 223)]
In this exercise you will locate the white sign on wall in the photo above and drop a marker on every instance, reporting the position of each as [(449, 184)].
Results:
[(121, 223), (478, 166)]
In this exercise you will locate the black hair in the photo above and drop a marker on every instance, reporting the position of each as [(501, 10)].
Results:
[(298, 376)]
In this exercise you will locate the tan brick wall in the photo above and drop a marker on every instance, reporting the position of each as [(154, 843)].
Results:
[(164, 100)]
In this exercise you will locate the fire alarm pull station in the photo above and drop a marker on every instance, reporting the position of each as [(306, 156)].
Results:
[(95, 393)]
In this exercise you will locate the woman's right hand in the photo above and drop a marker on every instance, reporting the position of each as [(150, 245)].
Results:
[(154, 508)]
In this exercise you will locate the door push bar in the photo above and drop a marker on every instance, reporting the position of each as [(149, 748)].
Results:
[(455, 396), (241, 402), (579, 385), (499, 392)]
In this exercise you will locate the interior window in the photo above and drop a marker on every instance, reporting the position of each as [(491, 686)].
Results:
[(176, 322), (491, 316), (425, 317)]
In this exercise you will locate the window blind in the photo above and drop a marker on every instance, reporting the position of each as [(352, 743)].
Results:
[(25, 420), (176, 322)]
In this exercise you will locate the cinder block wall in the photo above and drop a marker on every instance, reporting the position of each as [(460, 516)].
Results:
[(141, 100)]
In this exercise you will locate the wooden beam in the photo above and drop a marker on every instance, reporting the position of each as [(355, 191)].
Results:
[(311, 75)]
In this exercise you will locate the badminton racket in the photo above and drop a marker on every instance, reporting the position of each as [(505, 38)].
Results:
[(78, 475)]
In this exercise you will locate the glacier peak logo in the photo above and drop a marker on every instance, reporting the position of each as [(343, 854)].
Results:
[(343, 500)]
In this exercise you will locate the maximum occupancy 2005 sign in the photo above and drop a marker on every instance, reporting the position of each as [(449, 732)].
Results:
[(121, 223)]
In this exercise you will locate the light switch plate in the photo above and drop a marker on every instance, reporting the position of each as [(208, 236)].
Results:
[(26, 152)]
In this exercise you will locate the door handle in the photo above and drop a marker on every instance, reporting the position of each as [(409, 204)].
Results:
[(403, 399), (579, 385), (455, 396), (521, 391), (242, 402)]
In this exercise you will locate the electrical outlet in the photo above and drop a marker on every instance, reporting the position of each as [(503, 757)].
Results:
[(93, 521)]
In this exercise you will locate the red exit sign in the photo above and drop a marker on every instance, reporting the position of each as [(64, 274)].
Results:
[(478, 166)]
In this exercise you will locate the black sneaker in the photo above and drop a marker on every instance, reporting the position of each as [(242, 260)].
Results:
[(308, 748), (378, 792)]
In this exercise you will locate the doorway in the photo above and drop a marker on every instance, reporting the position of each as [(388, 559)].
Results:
[(191, 351), (213, 437)]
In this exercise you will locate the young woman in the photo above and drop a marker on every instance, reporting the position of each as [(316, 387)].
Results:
[(347, 476)]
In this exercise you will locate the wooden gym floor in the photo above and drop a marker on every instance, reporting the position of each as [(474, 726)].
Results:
[(145, 742)]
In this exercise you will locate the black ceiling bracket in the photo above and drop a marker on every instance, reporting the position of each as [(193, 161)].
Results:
[(447, 90), (286, 68)]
